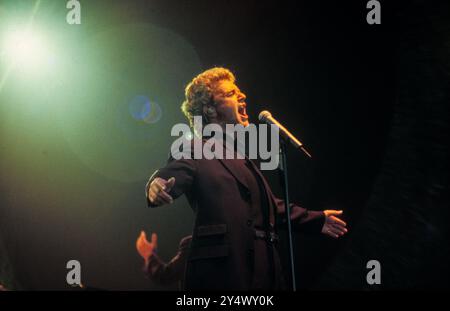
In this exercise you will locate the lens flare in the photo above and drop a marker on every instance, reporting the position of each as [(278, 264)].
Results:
[(25, 49), (142, 109)]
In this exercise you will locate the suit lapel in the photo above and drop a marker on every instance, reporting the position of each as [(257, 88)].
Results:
[(269, 194), (235, 167)]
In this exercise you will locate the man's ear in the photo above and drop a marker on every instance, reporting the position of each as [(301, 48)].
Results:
[(209, 111)]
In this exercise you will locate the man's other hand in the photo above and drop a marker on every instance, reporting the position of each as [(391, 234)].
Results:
[(144, 247), (334, 227), (158, 192)]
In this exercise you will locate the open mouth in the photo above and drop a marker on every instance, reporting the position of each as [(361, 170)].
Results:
[(243, 112)]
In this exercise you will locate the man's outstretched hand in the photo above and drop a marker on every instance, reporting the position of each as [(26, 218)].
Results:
[(158, 192), (334, 227), (144, 247)]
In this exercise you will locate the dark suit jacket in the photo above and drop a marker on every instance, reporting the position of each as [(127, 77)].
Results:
[(222, 248)]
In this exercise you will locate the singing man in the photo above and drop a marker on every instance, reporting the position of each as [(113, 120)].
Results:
[(234, 239)]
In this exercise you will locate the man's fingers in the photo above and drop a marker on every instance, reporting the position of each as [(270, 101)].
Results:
[(332, 212), (143, 235), (139, 242), (165, 197), (160, 197), (164, 185), (159, 185), (339, 230), (334, 230), (339, 221), (339, 227), (152, 194), (334, 233), (154, 240), (158, 192), (170, 183), (142, 240)]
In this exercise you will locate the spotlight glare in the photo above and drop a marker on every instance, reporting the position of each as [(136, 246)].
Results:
[(24, 48)]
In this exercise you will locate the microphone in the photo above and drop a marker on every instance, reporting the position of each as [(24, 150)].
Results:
[(266, 117)]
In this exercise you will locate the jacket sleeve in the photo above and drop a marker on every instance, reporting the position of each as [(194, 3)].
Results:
[(184, 171), (302, 220)]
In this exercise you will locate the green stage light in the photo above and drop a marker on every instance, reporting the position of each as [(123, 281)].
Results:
[(24, 49)]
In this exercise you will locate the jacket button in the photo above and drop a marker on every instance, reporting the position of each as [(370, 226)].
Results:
[(249, 222)]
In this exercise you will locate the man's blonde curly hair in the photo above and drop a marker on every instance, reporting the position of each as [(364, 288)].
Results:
[(199, 92)]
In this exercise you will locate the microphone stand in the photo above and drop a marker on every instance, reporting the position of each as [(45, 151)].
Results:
[(285, 184)]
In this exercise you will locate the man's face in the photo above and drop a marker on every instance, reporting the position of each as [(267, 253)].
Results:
[(230, 104)]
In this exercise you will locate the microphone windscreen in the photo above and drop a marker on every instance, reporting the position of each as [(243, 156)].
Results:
[(263, 115)]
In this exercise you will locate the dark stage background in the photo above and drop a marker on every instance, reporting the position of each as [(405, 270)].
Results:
[(369, 101)]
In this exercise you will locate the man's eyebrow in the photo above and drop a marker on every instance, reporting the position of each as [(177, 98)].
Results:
[(228, 91)]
